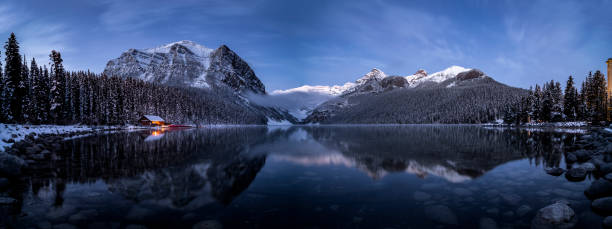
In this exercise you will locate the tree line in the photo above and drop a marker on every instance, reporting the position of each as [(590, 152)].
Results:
[(51, 95), (550, 103)]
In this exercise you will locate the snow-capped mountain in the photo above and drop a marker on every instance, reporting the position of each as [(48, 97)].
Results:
[(376, 75), (421, 77), (334, 90), (220, 72), (454, 95), (306, 98), (186, 63)]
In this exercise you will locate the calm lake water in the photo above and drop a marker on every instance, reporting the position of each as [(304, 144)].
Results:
[(301, 177)]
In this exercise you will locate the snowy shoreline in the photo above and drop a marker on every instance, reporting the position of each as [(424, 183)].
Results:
[(12, 133)]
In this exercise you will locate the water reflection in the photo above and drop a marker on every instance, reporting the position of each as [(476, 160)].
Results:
[(153, 175)]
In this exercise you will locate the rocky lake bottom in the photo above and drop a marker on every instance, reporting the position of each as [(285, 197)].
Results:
[(410, 176)]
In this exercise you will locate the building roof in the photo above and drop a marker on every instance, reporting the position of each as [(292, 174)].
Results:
[(154, 118)]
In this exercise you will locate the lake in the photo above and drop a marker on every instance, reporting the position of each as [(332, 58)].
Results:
[(411, 176)]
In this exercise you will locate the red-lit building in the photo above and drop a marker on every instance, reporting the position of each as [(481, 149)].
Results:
[(151, 120)]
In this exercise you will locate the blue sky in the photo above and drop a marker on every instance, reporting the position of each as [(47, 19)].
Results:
[(315, 42)]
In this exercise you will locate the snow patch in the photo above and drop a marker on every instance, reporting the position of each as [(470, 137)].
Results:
[(334, 90), (272, 122), (18, 132), (438, 77), (195, 48)]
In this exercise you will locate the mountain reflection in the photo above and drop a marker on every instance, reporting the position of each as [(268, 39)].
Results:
[(190, 169)]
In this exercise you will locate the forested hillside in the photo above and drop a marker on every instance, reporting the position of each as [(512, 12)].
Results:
[(37, 94), (478, 100)]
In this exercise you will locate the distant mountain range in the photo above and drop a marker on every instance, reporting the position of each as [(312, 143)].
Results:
[(454, 95)]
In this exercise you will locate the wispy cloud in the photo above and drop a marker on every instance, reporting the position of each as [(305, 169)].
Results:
[(545, 44), (8, 18), (37, 36), (134, 15), (38, 39)]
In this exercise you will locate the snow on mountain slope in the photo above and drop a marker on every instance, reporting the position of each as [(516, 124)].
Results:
[(421, 76), (334, 90), (186, 63), (301, 101)]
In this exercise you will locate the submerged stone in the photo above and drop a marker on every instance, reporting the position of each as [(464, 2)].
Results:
[(557, 215), (523, 210), (10, 165), (556, 171), (588, 166), (602, 205), (511, 198), (135, 226), (599, 188), (64, 226), (487, 223), (570, 158), (421, 196), (7, 200), (462, 191), (441, 214), (208, 224), (607, 222), (3, 182), (576, 174)]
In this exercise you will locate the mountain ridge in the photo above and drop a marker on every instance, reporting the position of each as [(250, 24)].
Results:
[(186, 63)]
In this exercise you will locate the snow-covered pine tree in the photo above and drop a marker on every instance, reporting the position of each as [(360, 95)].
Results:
[(75, 97), (557, 101), (536, 108), (570, 100), (27, 107), (35, 109), (57, 90), (15, 87), (600, 97), (3, 99), (44, 95)]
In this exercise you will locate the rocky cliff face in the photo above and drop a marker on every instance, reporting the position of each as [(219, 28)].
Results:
[(186, 63)]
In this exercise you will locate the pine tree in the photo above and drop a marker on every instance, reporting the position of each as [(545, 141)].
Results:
[(547, 102), (35, 109), (3, 99), (15, 85), (536, 107), (57, 90), (570, 100), (44, 95), (600, 97), (26, 105), (557, 102), (581, 107)]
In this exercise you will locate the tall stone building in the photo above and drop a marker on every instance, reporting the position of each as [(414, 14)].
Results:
[(609, 62)]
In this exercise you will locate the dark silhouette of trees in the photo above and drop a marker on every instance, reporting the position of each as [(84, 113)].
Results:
[(550, 104)]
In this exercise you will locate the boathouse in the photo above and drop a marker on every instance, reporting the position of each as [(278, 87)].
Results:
[(151, 120)]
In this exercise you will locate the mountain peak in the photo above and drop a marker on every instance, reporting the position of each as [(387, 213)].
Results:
[(194, 47), (421, 73), (187, 63), (421, 76), (375, 73), (453, 70)]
